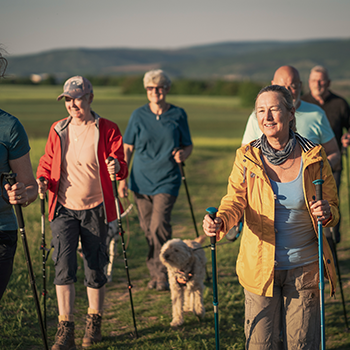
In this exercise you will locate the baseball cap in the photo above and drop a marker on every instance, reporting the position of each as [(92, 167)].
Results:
[(76, 87)]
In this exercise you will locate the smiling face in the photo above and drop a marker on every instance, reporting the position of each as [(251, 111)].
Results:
[(156, 93), (272, 115), (79, 107)]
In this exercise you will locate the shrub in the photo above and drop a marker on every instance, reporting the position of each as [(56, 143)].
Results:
[(247, 92)]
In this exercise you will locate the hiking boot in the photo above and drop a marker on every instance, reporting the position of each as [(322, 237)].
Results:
[(92, 330), (64, 339)]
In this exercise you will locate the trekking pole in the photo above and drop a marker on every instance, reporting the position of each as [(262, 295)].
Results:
[(121, 233), (11, 179), (339, 278), (181, 166), (345, 152), (43, 248), (318, 183), (212, 213)]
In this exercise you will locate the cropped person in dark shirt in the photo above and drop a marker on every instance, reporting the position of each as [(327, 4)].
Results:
[(338, 114)]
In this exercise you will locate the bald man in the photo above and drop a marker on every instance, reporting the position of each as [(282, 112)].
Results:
[(311, 121)]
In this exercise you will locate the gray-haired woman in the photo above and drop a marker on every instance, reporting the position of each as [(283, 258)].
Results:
[(159, 137), (272, 182)]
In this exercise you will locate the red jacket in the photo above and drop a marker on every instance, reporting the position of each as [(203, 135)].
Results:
[(109, 143)]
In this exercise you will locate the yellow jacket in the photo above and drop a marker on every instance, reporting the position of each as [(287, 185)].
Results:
[(250, 191)]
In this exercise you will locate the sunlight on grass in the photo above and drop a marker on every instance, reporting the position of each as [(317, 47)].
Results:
[(217, 124), (216, 142)]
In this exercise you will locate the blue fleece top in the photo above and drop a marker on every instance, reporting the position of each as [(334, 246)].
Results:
[(13, 144), (154, 138)]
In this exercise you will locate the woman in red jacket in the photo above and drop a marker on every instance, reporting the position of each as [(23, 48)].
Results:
[(81, 202)]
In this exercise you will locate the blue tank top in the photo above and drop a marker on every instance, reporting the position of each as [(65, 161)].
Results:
[(296, 242)]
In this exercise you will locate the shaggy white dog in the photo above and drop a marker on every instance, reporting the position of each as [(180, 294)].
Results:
[(186, 272)]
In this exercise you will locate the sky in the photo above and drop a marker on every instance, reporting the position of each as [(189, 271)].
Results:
[(32, 26)]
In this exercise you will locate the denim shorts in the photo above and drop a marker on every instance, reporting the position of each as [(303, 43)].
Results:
[(90, 226)]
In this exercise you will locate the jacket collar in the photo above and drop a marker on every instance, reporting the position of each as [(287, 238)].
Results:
[(63, 124), (305, 144), (311, 152)]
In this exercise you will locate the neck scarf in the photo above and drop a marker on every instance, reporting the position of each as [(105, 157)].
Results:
[(278, 157)]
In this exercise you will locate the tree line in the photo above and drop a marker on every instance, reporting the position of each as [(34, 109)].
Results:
[(245, 90)]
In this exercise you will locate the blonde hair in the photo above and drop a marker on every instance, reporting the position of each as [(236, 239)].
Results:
[(156, 76)]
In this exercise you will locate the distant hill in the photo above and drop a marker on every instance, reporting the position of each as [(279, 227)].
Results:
[(230, 60)]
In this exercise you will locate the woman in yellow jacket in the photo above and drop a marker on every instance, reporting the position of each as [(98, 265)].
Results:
[(272, 183)]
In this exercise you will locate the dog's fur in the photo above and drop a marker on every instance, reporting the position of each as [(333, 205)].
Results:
[(187, 265)]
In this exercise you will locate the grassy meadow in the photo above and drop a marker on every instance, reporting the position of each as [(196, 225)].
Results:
[(217, 124)]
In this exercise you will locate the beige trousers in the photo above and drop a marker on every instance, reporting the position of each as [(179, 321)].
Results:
[(291, 318)]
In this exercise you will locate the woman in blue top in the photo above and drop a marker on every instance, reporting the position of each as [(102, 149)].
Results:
[(14, 156), (159, 137)]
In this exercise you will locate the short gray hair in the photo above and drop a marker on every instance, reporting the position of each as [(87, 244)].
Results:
[(286, 98), (320, 69), (156, 76)]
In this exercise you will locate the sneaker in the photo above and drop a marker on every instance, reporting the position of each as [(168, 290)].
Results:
[(93, 330), (64, 339)]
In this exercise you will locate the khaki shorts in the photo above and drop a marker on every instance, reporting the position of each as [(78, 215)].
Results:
[(291, 318)]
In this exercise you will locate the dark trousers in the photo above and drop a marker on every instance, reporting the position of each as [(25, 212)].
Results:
[(154, 216), (8, 244), (66, 228)]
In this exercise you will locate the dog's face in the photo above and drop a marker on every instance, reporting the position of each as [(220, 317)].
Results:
[(175, 253)]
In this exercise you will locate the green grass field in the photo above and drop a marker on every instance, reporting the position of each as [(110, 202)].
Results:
[(217, 126)]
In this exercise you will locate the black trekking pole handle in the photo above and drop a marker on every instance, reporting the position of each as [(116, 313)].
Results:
[(11, 179), (43, 248), (121, 233)]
